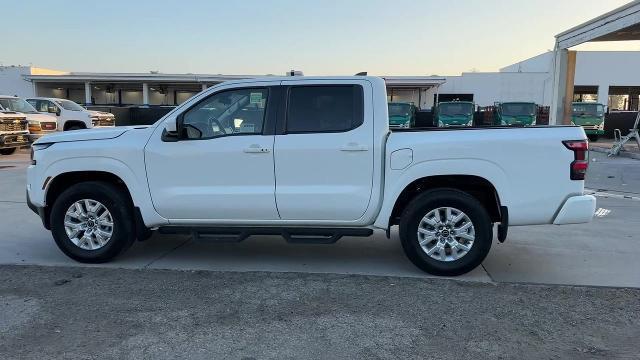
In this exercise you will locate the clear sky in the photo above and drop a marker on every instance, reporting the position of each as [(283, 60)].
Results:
[(391, 37)]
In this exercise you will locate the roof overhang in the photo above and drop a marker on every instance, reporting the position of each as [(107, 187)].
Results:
[(413, 81), (140, 77), (621, 24)]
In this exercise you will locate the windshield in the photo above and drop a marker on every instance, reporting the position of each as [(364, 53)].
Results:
[(18, 105), (399, 109), (588, 109), (69, 105), (518, 109), (456, 109)]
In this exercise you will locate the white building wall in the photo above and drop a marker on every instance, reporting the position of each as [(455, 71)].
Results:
[(12, 81), (487, 88)]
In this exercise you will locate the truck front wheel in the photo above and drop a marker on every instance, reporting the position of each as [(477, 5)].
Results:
[(446, 232), (91, 222), (8, 151)]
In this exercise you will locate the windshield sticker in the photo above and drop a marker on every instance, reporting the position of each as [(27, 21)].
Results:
[(255, 98)]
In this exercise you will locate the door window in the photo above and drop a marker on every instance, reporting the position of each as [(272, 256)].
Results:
[(234, 112), (316, 109)]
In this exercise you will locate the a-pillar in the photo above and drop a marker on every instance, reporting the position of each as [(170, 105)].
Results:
[(145, 94), (87, 93)]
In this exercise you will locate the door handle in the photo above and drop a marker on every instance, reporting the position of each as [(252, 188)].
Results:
[(256, 149), (354, 147)]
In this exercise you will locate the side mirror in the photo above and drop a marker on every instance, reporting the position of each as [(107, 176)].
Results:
[(52, 109), (171, 126)]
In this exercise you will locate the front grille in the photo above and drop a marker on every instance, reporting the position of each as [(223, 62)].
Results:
[(13, 125), (107, 122)]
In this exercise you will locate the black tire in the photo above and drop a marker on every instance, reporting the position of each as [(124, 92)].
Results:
[(430, 200), (593, 138), (118, 205), (8, 151)]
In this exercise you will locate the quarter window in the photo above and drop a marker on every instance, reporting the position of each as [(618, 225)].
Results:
[(234, 112), (324, 108)]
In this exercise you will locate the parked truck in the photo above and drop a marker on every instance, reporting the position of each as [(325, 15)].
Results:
[(515, 113), (590, 116), (402, 115), (454, 113), (39, 124), (70, 115), (311, 159), (14, 132)]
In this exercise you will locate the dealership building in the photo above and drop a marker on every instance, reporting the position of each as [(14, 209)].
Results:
[(607, 77)]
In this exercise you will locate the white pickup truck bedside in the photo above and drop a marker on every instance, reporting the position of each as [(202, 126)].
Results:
[(311, 159)]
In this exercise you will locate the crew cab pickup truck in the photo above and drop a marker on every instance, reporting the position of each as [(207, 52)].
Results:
[(311, 159), (70, 115)]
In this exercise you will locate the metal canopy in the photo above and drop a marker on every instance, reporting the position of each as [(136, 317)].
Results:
[(621, 24)]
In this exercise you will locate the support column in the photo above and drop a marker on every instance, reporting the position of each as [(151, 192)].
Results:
[(87, 93), (145, 94), (563, 83), (204, 87), (570, 81), (603, 94)]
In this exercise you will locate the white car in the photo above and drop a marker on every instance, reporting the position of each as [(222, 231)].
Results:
[(70, 115), (39, 124), (311, 159)]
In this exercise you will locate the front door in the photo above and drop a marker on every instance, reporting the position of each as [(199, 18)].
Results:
[(324, 152), (221, 168)]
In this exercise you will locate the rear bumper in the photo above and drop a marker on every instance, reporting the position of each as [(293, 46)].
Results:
[(576, 210)]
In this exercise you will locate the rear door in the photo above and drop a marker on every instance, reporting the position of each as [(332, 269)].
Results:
[(323, 150)]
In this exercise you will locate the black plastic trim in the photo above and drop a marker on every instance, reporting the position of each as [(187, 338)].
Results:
[(503, 227), (291, 234)]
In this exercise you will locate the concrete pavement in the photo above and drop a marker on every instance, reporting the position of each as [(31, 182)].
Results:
[(603, 253)]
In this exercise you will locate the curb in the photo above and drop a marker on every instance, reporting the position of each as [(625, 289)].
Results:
[(626, 154)]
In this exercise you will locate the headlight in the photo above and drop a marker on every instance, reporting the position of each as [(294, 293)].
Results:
[(470, 123), (34, 126), (440, 124)]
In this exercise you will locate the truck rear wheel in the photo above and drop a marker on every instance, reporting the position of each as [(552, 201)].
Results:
[(446, 232), (8, 151), (91, 222)]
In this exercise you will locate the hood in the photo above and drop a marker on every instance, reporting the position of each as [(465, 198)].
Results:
[(41, 117), (87, 134)]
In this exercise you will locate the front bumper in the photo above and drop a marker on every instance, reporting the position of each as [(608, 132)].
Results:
[(576, 210), (41, 211), (593, 131), (14, 141)]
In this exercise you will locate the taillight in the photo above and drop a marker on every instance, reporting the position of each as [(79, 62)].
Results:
[(580, 163)]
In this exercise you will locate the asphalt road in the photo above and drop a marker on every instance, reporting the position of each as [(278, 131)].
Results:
[(85, 313)]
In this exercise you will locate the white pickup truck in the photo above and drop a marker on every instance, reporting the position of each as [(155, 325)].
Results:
[(312, 159)]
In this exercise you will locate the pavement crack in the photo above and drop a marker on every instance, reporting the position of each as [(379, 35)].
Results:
[(488, 274), (167, 253)]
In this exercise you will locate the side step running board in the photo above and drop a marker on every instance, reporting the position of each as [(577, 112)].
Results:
[(291, 235)]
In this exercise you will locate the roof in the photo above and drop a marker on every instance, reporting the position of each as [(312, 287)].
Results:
[(396, 81)]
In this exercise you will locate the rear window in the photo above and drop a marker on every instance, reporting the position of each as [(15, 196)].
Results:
[(324, 108)]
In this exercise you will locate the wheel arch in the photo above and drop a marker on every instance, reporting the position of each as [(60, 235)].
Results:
[(70, 123), (482, 179), (476, 186)]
